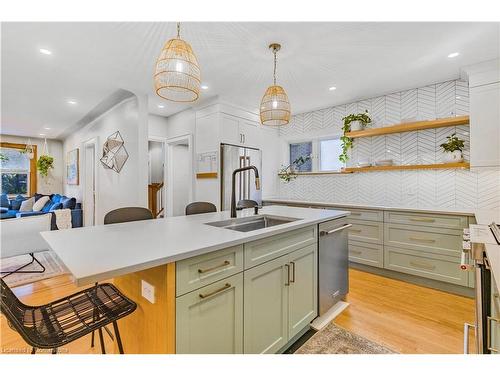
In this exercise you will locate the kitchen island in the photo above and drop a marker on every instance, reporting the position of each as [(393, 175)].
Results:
[(194, 269)]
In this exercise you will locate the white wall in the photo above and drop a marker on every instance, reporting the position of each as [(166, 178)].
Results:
[(181, 123), (126, 188), (157, 126), (53, 183), (181, 178)]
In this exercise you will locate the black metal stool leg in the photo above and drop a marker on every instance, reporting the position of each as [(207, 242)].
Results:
[(101, 339), (54, 351), (118, 338), (33, 350)]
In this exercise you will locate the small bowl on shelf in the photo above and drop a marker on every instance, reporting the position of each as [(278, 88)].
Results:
[(384, 162), (364, 164)]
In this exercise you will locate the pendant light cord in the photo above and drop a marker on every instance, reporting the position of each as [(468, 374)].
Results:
[(178, 30)]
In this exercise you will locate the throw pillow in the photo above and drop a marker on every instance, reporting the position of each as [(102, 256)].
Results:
[(4, 201), (56, 206), (38, 205), (27, 205), (69, 203), (15, 204)]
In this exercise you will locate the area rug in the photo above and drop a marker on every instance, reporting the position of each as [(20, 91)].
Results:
[(336, 340), (49, 260)]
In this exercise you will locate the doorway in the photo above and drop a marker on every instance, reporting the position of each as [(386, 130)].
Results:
[(156, 176), (90, 198), (180, 175)]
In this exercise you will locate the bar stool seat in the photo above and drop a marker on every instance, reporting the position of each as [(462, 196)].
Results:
[(67, 319)]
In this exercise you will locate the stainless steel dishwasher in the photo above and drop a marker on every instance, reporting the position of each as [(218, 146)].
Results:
[(333, 258)]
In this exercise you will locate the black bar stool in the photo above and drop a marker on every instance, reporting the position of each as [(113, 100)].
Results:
[(200, 208), (67, 319)]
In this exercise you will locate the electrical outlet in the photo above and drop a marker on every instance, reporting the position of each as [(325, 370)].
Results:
[(148, 291), (411, 191)]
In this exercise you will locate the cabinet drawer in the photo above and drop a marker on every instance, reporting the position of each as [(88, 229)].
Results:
[(432, 266), (371, 215), (432, 240), (260, 251), (366, 253), (196, 272), (429, 220), (210, 319), (366, 231)]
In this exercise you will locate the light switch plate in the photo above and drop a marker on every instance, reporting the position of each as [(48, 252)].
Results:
[(148, 291)]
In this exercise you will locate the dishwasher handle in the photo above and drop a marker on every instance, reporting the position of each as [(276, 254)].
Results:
[(325, 233)]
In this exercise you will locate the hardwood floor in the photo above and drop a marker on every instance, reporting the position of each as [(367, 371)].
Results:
[(404, 317)]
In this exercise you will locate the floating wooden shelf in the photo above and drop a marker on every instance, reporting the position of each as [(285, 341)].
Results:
[(317, 173), (401, 167), (410, 126), (206, 175)]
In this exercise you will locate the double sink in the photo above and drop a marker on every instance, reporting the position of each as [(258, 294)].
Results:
[(248, 224)]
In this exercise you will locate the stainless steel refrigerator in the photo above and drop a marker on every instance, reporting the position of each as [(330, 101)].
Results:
[(234, 157)]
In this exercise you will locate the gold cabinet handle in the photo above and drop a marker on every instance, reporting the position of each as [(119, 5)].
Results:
[(355, 251), (422, 265), (226, 263), (489, 320), (423, 219), (428, 240), (287, 282), (292, 280), (226, 286)]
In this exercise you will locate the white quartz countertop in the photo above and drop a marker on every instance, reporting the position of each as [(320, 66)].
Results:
[(433, 210), (93, 254), (485, 217)]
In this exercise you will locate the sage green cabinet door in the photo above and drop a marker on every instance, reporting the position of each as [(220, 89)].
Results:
[(494, 323), (303, 291), (210, 319), (266, 307)]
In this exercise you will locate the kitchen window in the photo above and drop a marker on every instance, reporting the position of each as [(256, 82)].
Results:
[(17, 172), (324, 154)]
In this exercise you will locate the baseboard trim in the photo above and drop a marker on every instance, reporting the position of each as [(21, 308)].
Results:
[(434, 284)]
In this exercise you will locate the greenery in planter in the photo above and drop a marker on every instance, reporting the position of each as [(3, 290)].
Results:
[(3, 157), (44, 164), (453, 144), (364, 118), (287, 174)]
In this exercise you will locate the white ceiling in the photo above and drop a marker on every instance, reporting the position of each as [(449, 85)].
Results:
[(89, 61)]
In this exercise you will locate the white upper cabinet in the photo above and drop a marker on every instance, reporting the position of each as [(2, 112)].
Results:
[(484, 97)]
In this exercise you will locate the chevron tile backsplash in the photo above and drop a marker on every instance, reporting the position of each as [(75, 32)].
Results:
[(445, 188)]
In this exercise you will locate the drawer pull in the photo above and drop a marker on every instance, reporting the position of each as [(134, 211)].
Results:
[(426, 266), (226, 263), (423, 219), (355, 251), (215, 291), (428, 240), (489, 320)]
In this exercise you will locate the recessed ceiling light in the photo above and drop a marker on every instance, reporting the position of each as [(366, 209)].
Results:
[(45, 51), (332, 88), (161, 106), (458, 97), (46, 128), (204, 87), (71, 101), (42, 134), (452, 55)]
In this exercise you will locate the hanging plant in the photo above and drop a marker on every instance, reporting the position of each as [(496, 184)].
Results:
[(44, 164), (288, 173), (364, 119)]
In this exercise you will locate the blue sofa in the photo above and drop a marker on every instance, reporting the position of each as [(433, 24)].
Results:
[(10, 208)]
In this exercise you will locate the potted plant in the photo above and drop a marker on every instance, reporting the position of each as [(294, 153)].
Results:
[(352, 122), (452, 149), (289, 173), (44, 164)]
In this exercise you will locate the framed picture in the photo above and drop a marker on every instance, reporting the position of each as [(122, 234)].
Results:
[(72, 168)]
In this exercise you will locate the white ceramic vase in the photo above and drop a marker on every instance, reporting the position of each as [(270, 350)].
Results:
[(453, 157), (356, 125)]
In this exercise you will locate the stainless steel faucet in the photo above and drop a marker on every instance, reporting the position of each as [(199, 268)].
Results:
[(233, 185)]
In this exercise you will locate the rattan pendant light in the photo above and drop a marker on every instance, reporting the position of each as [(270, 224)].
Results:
[(177, 74), (275, 107)]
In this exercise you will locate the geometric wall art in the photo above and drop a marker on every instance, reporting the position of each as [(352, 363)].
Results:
[(114, 153)]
